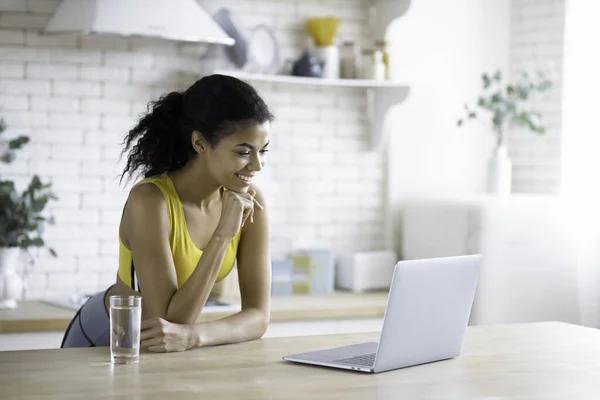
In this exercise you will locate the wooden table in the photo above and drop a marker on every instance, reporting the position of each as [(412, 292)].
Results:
[(525, 361)]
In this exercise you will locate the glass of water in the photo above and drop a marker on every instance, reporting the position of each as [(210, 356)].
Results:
[(125, 324)]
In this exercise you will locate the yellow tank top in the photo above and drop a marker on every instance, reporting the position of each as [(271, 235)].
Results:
[(185, 253)]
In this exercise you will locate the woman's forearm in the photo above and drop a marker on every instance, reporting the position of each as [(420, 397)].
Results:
[(188, 301), (245, 325)]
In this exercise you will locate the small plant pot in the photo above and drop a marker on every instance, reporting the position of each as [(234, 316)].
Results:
[(11, 285)]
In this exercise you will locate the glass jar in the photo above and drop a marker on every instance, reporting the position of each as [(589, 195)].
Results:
[(372, 65), (382, 46), (367, 70), (378, 66), (350, 60)]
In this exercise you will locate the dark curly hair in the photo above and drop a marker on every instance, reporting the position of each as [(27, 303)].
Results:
[(213, 106)]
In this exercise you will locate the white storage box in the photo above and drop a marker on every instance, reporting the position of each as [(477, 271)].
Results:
[(369, 270)]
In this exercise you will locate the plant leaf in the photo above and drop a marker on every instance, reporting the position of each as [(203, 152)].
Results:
[(18, 142), (497, 97), (486, 81)]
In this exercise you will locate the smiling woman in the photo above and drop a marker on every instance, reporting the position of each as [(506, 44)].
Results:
[(193, 215)]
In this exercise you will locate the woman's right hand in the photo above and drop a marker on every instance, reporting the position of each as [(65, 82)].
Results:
[(237, 208)]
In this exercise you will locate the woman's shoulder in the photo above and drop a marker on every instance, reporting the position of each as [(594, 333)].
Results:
[(259, 214), (152, 187), (145, 208), (146, 194), (259, 194)]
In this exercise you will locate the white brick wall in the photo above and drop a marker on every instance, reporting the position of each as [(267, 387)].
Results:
[(537, 38), (76, 97)]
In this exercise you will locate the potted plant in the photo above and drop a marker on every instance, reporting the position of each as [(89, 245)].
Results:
[(21, 221), (507, 105)]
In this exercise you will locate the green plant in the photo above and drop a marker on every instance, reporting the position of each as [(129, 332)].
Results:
[(509, 104), (21, 214)]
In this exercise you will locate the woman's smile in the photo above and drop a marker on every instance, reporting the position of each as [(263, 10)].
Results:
[(247, 179)]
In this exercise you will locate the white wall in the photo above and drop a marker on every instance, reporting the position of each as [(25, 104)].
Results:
[(77, 96), (537, 39), (580, 143), (441, 49)]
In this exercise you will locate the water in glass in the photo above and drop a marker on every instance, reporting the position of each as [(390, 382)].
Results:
[(125, 324)]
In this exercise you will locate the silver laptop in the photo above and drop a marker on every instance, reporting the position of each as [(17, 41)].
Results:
[(425, 320)]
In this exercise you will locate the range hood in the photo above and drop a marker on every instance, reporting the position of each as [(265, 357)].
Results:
[(182, 20)]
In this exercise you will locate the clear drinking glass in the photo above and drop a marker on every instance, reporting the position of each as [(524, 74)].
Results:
[(125, 324)]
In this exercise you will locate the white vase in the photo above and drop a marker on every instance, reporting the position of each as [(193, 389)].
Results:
[(11, 285), (499, 172)]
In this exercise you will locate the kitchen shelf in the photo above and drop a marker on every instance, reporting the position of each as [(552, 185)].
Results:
[(381, 95), (298, 80)]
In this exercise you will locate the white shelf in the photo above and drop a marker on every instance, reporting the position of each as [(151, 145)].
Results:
[(298, 80), (382, 95)]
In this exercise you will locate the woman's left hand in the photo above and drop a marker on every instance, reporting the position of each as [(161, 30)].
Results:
[(161, 336)]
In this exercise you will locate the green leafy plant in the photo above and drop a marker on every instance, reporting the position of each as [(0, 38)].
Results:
[(509, 104), (22, 219)]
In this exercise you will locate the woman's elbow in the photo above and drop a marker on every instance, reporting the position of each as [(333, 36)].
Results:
[(262, 324), (257, 322)]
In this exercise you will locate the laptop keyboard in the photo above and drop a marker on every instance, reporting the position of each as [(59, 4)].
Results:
[(364, 359)]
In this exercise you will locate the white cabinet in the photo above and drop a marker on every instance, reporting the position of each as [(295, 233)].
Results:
[(325, 327), (361, 325), (294, 328), (30, 340), (528, 272)]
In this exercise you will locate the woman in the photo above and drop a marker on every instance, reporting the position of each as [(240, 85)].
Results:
[(193, 215)]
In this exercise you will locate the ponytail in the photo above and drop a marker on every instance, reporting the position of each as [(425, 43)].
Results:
[(160, 146)]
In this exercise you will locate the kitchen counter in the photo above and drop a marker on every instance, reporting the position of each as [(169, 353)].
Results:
[(38, 316), (525, 361)]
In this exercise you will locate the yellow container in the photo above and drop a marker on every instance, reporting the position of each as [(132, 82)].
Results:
[(323, 30)]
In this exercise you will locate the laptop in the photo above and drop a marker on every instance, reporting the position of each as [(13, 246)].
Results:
[(425, 319)]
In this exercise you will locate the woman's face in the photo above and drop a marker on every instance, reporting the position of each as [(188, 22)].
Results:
[(238, 157)]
